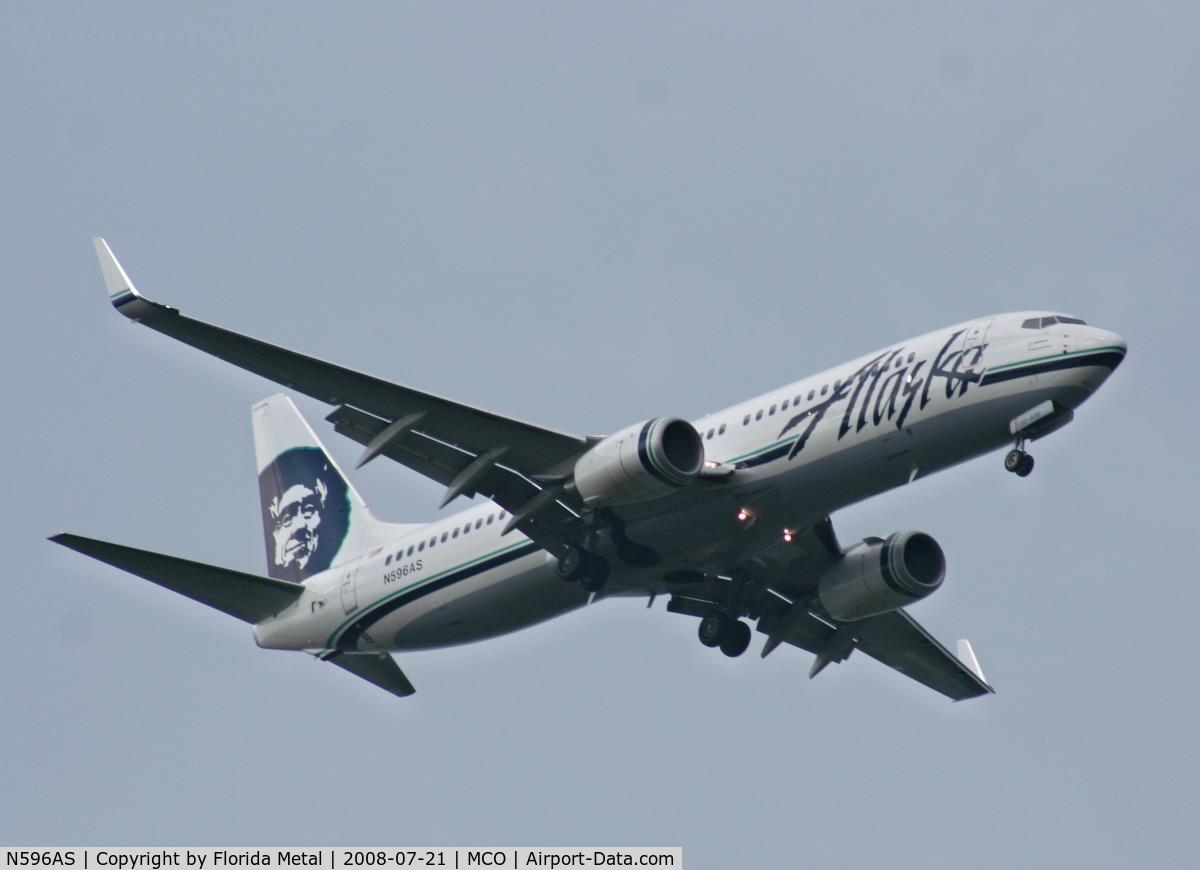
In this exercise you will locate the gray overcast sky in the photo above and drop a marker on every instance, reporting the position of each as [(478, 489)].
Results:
[(585, 215)]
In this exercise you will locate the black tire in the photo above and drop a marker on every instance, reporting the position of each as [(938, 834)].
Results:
[(736, 639), (570, 564), (713, 628), (1026, 466), (594, 573), (1014, 460)]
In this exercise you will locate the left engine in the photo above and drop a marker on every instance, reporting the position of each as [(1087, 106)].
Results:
[(641, 462), (876, 576)]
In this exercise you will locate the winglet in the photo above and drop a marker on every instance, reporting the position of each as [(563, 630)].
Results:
[(966, 655), (121, 292)]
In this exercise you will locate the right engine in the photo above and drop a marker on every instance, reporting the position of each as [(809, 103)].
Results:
[(876, 576)]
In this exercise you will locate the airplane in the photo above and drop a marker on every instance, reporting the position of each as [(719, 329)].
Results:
[(727, 516)]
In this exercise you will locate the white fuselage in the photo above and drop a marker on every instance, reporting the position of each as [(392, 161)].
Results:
[(798, 453)]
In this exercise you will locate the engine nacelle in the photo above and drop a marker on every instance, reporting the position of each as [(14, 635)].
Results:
[(639, 463), (876, 576)]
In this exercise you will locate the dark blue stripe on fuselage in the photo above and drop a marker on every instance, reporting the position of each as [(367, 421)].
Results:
[(350, 636), (1108, 359), (769, 456)]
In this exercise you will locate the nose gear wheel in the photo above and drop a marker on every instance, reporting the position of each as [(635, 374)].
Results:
[(1018, 462)]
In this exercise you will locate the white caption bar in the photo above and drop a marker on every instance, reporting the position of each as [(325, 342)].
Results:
[(341, 858)]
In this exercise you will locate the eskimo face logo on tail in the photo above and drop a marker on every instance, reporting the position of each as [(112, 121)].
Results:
[(306, 513)]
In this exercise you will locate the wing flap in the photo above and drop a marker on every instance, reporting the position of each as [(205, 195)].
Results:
[(551, 527), (248, 597)]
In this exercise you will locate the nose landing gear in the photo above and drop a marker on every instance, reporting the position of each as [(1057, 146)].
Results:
[(1018, 461)]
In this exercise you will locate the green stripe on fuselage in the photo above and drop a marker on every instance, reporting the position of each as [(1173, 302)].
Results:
[(1027, 362), (358, 614)]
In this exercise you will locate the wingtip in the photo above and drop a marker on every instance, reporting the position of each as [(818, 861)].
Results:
[(121, 292), (966, 655)]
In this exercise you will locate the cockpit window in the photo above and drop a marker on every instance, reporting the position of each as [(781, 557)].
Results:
[(1043, 322)]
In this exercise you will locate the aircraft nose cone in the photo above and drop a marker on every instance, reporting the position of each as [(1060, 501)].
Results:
[(1091, 337)]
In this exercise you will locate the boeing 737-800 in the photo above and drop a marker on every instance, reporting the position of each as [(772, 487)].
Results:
[(727, 515)]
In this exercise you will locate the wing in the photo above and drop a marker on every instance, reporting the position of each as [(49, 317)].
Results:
[(248, 597), (897, 640), (467, 449), (778, 589)]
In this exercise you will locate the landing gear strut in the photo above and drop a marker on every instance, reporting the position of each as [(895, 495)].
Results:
[(719, 629)]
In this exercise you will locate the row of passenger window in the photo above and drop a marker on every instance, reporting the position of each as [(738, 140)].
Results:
[(897, 362), (1043, 322), (445, 536)]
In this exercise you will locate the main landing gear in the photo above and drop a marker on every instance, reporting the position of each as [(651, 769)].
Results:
[(1018, 461), (722, 630), (587, 569)]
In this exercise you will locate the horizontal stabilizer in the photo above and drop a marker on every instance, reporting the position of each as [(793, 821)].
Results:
[(247, 596), (380, 669)]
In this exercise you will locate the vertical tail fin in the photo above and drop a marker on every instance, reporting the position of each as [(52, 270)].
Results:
[(313, 518)]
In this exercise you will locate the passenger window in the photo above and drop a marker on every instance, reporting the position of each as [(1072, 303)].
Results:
[(783, 407), (911, 357), (758, 416), (388, 560), (433, 542), (489, 519), (811, 393), (837, 385), (710, 434), (721, 431), (466, 528), (772, 411), (824, 389), (746, 422), (478, 523), (500, 516), (421, 547), (444, 536), (455, 535), (410, 549)]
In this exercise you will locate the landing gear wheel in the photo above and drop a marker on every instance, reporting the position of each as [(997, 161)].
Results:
[(594, 574), (570, 564), (736, 639), (713, 628), (1018, 462)]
